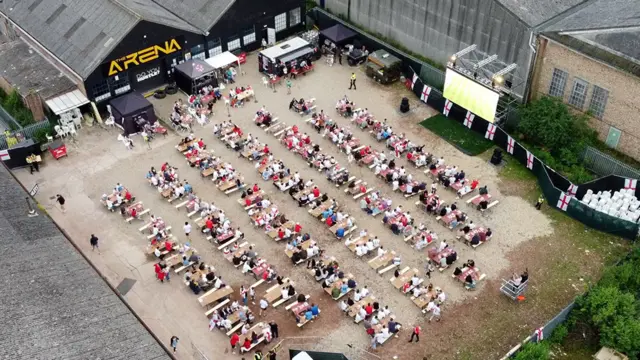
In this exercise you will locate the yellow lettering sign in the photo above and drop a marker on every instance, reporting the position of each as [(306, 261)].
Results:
[(143, 56)]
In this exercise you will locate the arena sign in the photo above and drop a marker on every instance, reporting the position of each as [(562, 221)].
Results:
[(143, 56)]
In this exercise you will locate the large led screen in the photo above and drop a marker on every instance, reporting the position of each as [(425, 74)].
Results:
[(470, 95)]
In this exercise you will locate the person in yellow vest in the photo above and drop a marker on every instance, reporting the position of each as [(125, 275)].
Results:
[(33, 161), (353, 81), (540, 202)]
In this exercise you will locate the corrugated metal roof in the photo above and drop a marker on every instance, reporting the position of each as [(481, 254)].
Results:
[(600, 14), (201, 13), (534, 12), (53, 304), (84, 49)]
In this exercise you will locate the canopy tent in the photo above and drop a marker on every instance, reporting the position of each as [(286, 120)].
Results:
[(66, 102), (338, 34), (223, 60), (193, 75), (130, 111), (302, 356)]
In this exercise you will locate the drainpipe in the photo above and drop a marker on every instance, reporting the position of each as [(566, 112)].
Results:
[(532, 61), (349, 10)]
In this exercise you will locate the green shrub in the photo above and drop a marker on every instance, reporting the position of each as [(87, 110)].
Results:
[(559, 334), (533, 351), (40, 135)]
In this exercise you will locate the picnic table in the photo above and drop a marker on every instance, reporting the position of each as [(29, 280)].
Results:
[(436, 255), (358, 241), (353, 310), (305, 245), (237, 253), (450, 217), (259, 269), (317, 211), (423, 300), (182, 148), (275, 292), (404, 277), (302, 71), (300, 308), (214, 295), (473, 271), (246, 94), (382, 261), (476, 200)]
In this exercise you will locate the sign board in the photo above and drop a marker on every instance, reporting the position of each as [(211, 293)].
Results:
[(271, 35), (148, 74), (143, 56), (34, 190)]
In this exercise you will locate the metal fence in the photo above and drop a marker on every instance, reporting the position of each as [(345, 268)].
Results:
[(28, 132), (547, 330), (603, 164), (8, 120)]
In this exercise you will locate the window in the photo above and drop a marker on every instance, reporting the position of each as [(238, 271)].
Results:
[(120, 83), (558, 82), (249, 36), (197, 52), (613, 137), (215, 47), (598, 101), (281, 22), (101, 91), (294, 17), (233, 44), (579, 93)]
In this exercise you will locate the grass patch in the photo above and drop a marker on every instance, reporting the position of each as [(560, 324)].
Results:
[(469, 142)]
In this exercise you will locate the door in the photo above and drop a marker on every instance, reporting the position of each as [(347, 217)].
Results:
[(271, 35), (613, 137)]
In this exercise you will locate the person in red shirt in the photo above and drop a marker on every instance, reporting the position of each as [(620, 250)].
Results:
[(266, 149), (409, 155), (201, 143), (281, 233), (297, 228), (474, 184), (235, 339), (247, 201), (247, 344), (168, 246), (307, 140), (295, 129), (209, 224), (256, 188), (316, 192), (164, 167), (127, 196), (157, 268), (363, 189), (161, 276), (134, 213), (416, 334), (330, 221), (368, 309)]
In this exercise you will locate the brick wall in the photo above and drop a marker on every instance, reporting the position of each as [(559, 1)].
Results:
[(34, 103), (622, 110)]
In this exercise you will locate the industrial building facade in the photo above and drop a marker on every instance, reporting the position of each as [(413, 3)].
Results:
[(111, 47)]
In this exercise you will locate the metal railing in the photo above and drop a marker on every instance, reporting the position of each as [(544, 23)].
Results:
[(27, 132), (603, 164)]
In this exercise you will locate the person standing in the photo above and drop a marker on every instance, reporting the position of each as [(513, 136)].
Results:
[(252, 293), (415, 333), (257, 355), (235, 339), (264, 305), (540, 202), (289, 86), (174, 343), (352, 84), (243, 293), (435, 313), (94, 243), (271, 355), (60, 200), (274, 329), (339, 55), (146, 139), (187, 229)]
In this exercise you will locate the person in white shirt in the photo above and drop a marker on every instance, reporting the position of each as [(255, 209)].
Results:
[(363, 233), (441, 296), (443, 245), (376, 242), (360, 250), (370, 246), (308, 183), (187, 229), (285, 293), (364, 292), (381, 251), (440, 162), (415, 280), (417, 291), (343, 305), (357, 296)]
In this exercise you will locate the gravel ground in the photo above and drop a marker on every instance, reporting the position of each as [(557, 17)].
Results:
[(98, 161)]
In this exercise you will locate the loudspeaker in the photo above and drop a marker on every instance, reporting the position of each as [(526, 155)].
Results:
[(496, 158), (404, 105)]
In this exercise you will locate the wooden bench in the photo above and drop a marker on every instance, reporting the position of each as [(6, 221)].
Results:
[(260, 339), (229, 242), (355, 184), (139, 217), (257, 283), (238, 326), (356, 197), (283, 300), (388, 268), (274, 121), (351, 178), (288, 307), (182, 204), (231, 191), (220, 304), (183, 267), (189, 215), (494, 203), (145, 227), (167, 230)]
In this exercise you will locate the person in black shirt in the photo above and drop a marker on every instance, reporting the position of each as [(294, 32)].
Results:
[(60, 200)]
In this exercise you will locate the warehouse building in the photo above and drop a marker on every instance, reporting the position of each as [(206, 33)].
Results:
[(110, 47), (591, 60)]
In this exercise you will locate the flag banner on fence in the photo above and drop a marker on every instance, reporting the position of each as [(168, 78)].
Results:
[(4, 155), (563, 201), (629, 184), (426, 91), (468, 120), (414, 80), (511, 144), (539, 334), (573, 190), (530, 158), (447, 107), (491, 131)]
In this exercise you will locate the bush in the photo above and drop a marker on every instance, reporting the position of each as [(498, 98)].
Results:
[(13, 104), (533, 351), (559, 334), (40, 135)]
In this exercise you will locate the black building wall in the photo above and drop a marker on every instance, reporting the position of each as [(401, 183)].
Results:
[(243, 18)]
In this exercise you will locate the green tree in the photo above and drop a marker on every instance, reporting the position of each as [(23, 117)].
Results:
[(533, 351), (547, 123)]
